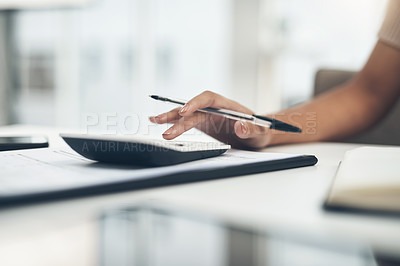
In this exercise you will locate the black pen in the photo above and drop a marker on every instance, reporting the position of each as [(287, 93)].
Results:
[(255, 119)]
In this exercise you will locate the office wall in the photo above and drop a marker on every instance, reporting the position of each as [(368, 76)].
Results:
[(106, 58), (310, 34), (7, 80), (24, 4), (3, 97)]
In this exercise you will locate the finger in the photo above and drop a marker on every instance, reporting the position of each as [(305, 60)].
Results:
[(203, 100), (245, 130), (167, 117), (211, 99), (184, 124)]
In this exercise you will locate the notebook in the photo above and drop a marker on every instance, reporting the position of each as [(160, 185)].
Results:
[(48, 174), (368, 179)]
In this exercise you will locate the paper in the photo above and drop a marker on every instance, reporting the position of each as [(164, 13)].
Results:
[(39, 170), (370, 168)]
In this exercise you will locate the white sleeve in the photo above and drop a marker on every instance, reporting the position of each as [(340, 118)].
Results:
[(390, 29)]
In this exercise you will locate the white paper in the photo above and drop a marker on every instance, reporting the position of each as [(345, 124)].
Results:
[(370, 168), (39, 170)]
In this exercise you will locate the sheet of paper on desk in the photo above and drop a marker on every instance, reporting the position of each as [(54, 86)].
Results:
[(34, 171)]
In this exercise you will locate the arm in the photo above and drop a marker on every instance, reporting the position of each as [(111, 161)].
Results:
[(341, 112), (353, 107)]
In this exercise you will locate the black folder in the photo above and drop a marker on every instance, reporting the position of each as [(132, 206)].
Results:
[(10, 199)]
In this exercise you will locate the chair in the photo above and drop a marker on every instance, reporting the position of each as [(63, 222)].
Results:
[(387, 132)]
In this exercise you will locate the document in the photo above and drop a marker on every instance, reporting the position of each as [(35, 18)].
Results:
[(44, 170)]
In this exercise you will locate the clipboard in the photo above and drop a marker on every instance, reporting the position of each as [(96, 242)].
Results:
[(165, 176)]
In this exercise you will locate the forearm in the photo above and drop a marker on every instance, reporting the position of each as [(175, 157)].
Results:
[(351, 108), (333, 115)]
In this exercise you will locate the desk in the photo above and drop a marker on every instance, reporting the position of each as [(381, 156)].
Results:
[(64, 232)]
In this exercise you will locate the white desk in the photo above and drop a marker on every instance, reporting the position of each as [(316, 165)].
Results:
[(64, 232)]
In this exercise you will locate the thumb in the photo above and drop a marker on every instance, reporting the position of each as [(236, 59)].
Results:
[(245, 130)]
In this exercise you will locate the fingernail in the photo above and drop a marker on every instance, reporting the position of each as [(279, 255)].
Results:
[(243, 127), (183, 109), (170, 131), (160, 118)]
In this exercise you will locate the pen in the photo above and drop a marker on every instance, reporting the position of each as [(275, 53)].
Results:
[(255, 119)]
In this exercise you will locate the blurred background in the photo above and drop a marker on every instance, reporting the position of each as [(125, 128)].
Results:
[(61, 60)]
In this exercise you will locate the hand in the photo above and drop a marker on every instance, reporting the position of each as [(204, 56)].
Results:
[(239, 134)]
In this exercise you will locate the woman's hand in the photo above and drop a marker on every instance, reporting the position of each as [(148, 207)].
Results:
[(239, 134)]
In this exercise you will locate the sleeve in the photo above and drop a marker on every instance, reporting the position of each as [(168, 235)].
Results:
[(390, 29)]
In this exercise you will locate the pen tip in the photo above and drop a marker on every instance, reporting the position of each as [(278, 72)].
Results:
[(279, 125), (153, 96)]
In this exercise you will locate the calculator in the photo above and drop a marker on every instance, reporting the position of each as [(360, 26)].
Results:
[(141, 151)]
